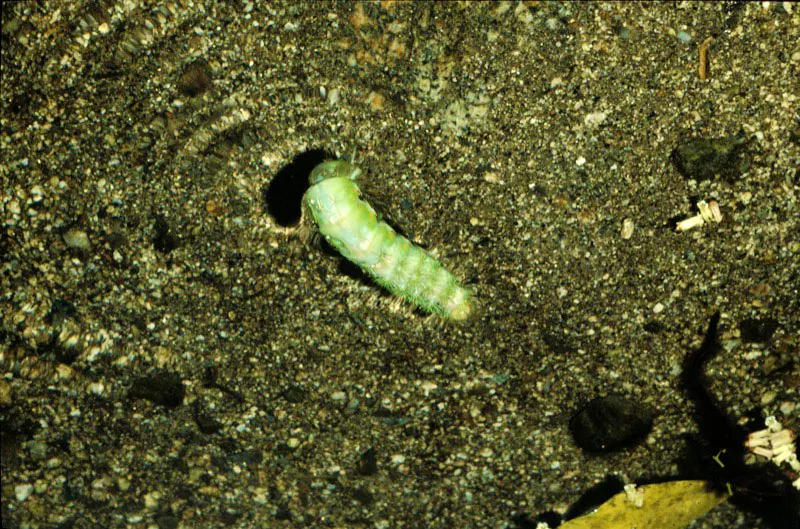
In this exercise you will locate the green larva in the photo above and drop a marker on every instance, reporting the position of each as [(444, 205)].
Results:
[(351, 226)]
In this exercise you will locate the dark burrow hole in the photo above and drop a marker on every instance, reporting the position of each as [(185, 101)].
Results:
[(284, 194)]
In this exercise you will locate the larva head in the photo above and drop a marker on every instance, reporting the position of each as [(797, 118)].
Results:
[(333, 169)]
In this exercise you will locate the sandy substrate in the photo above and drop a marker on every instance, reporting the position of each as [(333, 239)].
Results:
[(179, 350)]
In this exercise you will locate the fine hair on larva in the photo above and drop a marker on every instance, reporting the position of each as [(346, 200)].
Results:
[(351, 225)]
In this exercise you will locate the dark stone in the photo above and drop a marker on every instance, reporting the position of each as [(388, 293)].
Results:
[(283, 513), (116, 239), (196, 79), (756, 330), (706, 158), (165, 389), (163, 240), (609, 423), (294, 394), (654, 327), (207, 424), (283, 449), (246, 457), (61, 310), (369, 463)]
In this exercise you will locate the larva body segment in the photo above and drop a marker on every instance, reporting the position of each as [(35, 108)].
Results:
[(351, 226)]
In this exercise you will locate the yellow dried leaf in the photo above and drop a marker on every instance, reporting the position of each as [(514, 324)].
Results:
[(670, 505)]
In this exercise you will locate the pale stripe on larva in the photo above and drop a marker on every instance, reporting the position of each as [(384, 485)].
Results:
[(351, 226)]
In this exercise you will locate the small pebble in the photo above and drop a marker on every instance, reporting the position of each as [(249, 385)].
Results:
[(627, 228), (787, 407), (77, 239), (21, 492), (6, 394), (768, 397)]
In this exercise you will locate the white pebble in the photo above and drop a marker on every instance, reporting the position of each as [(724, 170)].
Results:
[(77, 239), (627, 228), (22, 492), (594, 119)]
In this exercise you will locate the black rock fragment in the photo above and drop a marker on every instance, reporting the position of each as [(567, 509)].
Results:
[(609, 423), (757, 330), (294, 394), (165, 389), (368, 465), (196, 79), (164, 240), (706, 158)]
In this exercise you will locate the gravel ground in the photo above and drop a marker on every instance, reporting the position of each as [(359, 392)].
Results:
[(179, 350)]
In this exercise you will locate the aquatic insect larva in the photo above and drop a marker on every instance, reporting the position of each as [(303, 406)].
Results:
[(351, 226)]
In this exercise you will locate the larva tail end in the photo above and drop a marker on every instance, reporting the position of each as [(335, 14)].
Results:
[(464, 310), (462, 314)]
